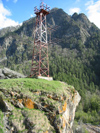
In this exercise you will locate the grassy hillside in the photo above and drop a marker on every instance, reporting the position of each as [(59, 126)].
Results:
[(23, 84), (34, 105)]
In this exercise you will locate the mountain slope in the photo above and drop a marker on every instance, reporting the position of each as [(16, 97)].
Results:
[(74, 55), (8, 29)]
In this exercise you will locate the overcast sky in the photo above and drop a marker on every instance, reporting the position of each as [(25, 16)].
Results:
[(14, 12)]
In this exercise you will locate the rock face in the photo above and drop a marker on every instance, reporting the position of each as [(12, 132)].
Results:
[(38, 110), (8, 29), (7, 73)]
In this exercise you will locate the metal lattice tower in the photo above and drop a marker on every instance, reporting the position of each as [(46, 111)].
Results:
[(40, 62)]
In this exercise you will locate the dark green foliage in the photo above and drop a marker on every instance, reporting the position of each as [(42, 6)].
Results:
[(74, 59), (77, 69)]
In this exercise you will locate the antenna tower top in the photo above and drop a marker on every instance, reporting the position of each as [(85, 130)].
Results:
[(44, 8)]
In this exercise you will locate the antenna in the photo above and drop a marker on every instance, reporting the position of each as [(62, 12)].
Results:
[(42, 2), (40, 61)]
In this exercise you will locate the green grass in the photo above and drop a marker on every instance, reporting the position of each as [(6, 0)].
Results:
[(1, 122), (27, 87), (25, 84), (1, 131)]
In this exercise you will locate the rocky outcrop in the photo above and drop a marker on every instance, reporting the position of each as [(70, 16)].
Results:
[(6, 73), (4, 31), (39, 110)]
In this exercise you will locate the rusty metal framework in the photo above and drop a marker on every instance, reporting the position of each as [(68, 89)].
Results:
[(40, 62)]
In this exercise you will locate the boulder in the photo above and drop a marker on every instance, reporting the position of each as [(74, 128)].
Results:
[(1, 74), (6, 73)]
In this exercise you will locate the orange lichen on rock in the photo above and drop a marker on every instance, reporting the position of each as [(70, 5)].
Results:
[(28, 103), (46, 105), (60, 131), (63, 108), (64, 123), (49, 96), (62, 98), (37, 93), (45, 132), (20, 100), (60, 111)]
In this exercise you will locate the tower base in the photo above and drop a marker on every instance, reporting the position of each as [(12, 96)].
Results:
[(46, 78)]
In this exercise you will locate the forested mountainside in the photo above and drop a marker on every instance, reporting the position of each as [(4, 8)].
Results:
[(74, 56)]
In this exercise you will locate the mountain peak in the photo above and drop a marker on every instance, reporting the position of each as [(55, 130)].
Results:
[(79, 16), (75, 15), (82, 19), (54, 9)]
